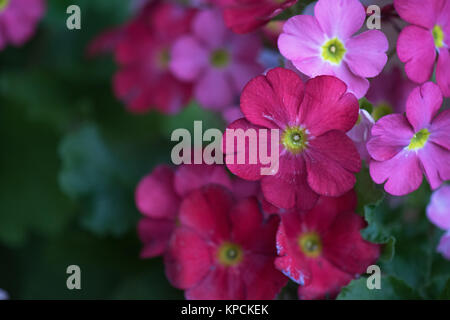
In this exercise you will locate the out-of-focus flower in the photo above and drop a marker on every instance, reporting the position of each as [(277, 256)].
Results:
[(223, 249), (406, 147), (219, 62), (316, 156), (325, 45), (322, 249), (243, 16), (3, 295), (438, 212), (144, 80), (231, 114), (360, 133), (158, 197), (428, 35), (388, 92), (18, 20)]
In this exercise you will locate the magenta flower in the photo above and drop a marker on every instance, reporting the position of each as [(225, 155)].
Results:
[(218, 61), (158, 197), (223, 249), (324, 44), (438, 212), (322, 249), (361, 133), (18, 20), (428, 35), (404, 147), (144, 81), (316, 156)]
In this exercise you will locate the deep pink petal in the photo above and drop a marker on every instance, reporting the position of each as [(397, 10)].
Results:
[(340, 18), (366, 55), (442, 70), (390, 135), (419, 12), (440, 129), (326, 106), (415, 47), (402, 173), (422, 105), (155, 235), (435, 161), (188, 259)]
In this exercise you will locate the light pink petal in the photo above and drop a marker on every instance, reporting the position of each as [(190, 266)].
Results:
[(210, 29), (314, 66), (366, 53), (331, 160), (302, 38), (326, 106), (444, 245), (215, 90), (356, 84), (440, 129), (402, 172), (390, 135), (436, 164), (188, 59), (415, 47), (438, 210), (442, 70), (419, 12), (340, 18), (272, 100), (188, 259), (422, 105)]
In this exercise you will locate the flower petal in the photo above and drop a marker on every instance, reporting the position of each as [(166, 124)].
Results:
[(215, 89), (440, 129), (356, 84), (442, 71), (155, 235), (419, 12), (188, 59), (422, 105), (438, 210), (435, 161)]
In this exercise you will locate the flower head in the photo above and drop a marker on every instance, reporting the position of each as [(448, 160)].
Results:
[(18, 20), (316, 156), (322, 249), (218, 62), (427, 36), (404, 148), (324, 44), (223, 249)]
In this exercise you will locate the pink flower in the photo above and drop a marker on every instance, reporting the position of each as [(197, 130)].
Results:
[(316, 156), (218, 61), (158, 197), (360, 133), (322, 249), (324, 45), (223, 249), (428, 35), (243, 16), (18, 20), (405, 146), (388, 92), (438, 212), (144, 80)]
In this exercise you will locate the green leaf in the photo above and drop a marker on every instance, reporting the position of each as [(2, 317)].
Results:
[(391, 289), (93, 175), (367, 191)]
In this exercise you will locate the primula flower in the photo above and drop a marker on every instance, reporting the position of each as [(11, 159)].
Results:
[(223, 249), (324, 44), (316, 156), (405, 146), (388, 92), (218, 61), (18, 20), (361, 133), (428, 35), (144, 80), (243, 16), (158, 197), (438, 212), (322, 249)]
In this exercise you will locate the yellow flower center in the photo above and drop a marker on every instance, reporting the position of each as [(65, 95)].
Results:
[(333, 51), (220, 58), (310, 244), (438, 36), (230, 254), (419, 140), (3, 4), (383, 109), (294, 139)]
